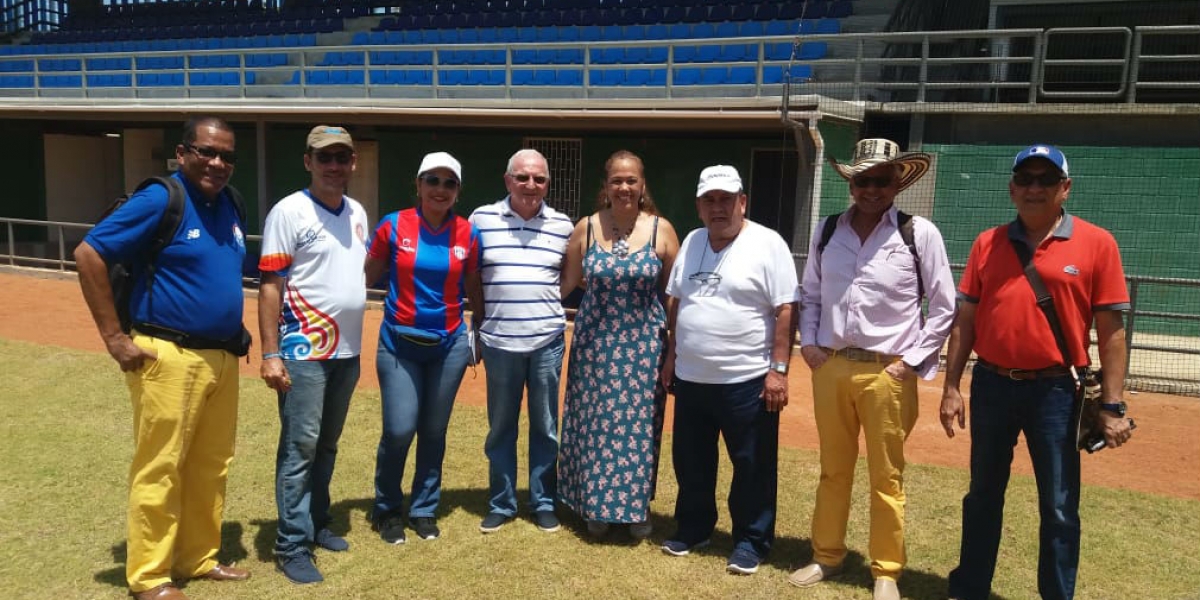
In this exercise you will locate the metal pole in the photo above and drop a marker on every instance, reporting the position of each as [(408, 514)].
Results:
[(62, 250), (1129, 328)]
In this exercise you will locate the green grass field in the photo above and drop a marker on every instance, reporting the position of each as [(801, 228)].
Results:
[(65, 418)]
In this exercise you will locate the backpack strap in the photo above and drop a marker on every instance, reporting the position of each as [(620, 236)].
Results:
[(905, 223), (827, 229), (239, 204)]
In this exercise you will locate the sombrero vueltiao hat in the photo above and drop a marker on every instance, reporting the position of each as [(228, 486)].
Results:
[(873, 152)]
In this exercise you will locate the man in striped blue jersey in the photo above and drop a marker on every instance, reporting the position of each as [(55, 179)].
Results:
[(521, 327)]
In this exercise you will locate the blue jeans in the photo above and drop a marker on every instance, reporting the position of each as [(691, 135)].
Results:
[(417, 386), (311, 416), (508, 374), (703, 412), (1001, 408)]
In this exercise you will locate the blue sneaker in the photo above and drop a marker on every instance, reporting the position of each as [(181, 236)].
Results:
[(493, 522), (299, 568), (742, 562), (333, 543), (682, 548), (546, 521)]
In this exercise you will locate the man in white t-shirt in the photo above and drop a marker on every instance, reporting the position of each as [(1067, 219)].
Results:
[(731, 313), (310, 317)]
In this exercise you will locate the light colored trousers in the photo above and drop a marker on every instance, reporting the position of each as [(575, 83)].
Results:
[(849, 396), (184, 424)]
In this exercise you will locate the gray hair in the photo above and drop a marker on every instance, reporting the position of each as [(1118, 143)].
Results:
[(526, 153)]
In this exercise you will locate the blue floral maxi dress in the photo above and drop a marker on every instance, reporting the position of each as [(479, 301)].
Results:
[(613, 409)]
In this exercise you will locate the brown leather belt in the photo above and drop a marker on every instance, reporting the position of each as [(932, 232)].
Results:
[(1025, 374), (860, 355)]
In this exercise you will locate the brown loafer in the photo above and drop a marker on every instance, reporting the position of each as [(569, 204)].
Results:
[(166, 591), (226, 573)]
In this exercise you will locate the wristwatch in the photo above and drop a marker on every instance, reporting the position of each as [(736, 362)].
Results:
[(779, 367), (1117, 408)]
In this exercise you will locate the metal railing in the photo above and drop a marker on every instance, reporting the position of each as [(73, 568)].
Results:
[(1025, 66), (1179, 373)]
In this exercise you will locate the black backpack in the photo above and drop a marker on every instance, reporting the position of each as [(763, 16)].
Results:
[(905, 224), (121, 274)]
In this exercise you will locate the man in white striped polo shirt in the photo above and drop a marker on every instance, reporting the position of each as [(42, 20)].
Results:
[(521, 330)]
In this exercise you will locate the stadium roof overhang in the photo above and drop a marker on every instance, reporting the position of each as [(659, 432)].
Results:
[(707, 115)]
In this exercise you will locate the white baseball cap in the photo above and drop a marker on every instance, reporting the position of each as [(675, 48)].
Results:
[(719, 177), (440, 160)]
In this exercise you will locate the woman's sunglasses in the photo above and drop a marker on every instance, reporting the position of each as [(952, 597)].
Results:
[(447, 183)]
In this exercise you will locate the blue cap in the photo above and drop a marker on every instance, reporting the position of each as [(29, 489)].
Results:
[(1049, 153)]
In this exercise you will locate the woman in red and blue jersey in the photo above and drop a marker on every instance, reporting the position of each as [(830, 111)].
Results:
[(430, 257)]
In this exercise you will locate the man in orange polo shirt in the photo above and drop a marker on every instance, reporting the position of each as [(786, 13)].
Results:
[(1020, 382)]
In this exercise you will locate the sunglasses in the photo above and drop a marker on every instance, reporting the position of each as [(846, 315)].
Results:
[(207, 153), (525, 177), (447, 183), (342, 158), (1046, 180), (705, 277), (881, 181)]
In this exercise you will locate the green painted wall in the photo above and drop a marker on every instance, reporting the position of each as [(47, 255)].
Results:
[(22, 168), (839, 143)]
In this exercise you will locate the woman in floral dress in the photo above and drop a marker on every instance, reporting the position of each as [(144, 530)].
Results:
[(613, 410)]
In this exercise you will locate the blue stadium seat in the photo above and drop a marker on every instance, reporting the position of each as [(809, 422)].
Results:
[(657, 31), (453, 57), (607, 78), (414, 36), (637, 55), (569, 56), (679, 31), (233, 78), (527, 35), (522, 77), (695, 14), (719, 13), (782, 28), (634, 33), (774, 74), (751, 29), (447, 36), (487, 36), (525, 57), (741, 75), (468, 36), (673, 14), (607, 56), (488, 57), (431, 37), (637, 77), (452, 77), (418, 57), (198, 79), (813, 50), (828, 26), (380, 77), (708, 53), (777, 51), (361, 38), (589, 33), (567, 77), (147, 79), (738, 53), (568, 34), (704, 31), (339, 77), (728, 29), (687, 76), (507, 35), (316, 78), (809, 26), (544, 57), (612, 33), (546, 34), (421, 77), (714, 75)]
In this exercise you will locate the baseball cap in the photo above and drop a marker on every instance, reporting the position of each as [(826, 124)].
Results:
[(719, 177), (440, 160), (323, 136), (1047, 152)]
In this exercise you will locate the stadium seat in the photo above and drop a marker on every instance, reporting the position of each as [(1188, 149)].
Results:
[(828, 26), (657, 31), (777, 51), (546, 34), (522, 77), (687, 76), (679, 31), (568, 56), (767, 11), (421, 77), (634, 33), (568, 34), (704, 31), (813, 51), (525, 57), (782, 28), (316, 78), (708, 53), (607, 78), (468, 36), (488, 57), (737, 53), (568, 77), (589, 33), (728, 29), (637, 77), (775, 74), (612, 33), (719, 13), (452, 77), (839, 9), (380, 77), (741, 75)]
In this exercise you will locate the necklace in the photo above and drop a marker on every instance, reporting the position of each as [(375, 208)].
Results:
[(620, 246)]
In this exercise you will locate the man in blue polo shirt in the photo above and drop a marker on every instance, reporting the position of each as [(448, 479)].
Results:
[(179, 361)]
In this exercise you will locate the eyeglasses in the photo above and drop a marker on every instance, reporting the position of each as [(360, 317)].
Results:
[(881, 181), (1046, 180), (705, 277), (434, 181), (525, 177), (207, 153), (342, 158)]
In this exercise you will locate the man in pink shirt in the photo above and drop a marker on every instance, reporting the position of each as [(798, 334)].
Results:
[(865, 338)]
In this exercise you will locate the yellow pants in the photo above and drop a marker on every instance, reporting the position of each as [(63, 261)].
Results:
[(184, 425), (849, 395)]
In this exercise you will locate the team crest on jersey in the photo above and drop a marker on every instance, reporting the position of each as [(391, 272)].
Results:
[(1071, 270), (406, 246), (460, 253), (238, 237)]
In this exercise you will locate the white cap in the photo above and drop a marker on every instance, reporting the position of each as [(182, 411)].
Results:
[(440, 160), (719, 177)]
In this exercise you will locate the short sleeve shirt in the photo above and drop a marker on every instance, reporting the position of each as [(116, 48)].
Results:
[(320, 253)]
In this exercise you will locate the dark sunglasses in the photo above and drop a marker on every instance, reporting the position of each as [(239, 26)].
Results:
[(447, 183), (1046, 180), (705, 277), (881, 181), (342, 158), (525, 177), (207, 153)]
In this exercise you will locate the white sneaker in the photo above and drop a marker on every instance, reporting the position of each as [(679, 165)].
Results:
[(885, 589), (812, 574)]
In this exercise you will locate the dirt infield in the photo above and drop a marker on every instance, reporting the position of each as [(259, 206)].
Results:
[(1161, 459)]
